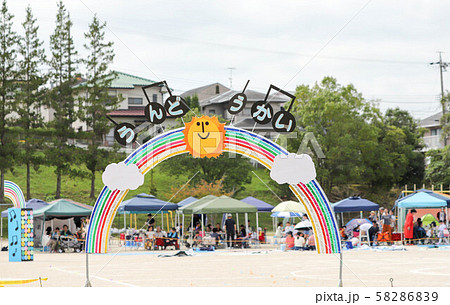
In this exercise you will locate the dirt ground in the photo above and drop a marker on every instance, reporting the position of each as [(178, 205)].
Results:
[(417, 266)]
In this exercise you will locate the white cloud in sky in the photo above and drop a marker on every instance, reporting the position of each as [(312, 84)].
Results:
[(119, 176), (293, 169)]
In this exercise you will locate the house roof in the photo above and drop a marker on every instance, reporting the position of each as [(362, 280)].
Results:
[(127, 112), (126, 81), (199, 89), (134, 112), (249, 123), (252, 96), (432, 121)]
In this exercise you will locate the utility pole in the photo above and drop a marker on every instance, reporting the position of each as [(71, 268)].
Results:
[(442, 67), (231, 77)]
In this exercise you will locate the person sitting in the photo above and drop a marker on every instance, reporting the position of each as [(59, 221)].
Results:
[(242, 237), (172, 239), (215, 235), (47, 238), (79, 236), (159, 238), (65, 231), (290, 241), (299, 242), (343, 232), (373, 232), (55, 243), (150, 238), (311, 244), (419, 232)]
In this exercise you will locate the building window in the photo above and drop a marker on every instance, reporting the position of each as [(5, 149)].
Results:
[(436, 132), (212, 111), (217, 89), (155, 98), (135, 101)]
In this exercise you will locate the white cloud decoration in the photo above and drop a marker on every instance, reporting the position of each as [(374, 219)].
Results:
[(119, 176), (293, 169)]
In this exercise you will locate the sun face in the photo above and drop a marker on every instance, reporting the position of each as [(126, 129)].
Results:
[(204, 137)]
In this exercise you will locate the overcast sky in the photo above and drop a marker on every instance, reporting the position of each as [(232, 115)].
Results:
[(384, 50)]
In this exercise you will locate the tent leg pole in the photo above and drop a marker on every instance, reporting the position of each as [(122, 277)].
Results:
[(203, 228), (162, 221), (237, 221), (88, 282), (257, 227), (341, 284), (246, 223)]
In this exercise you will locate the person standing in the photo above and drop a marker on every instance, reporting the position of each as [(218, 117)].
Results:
[(373, 231), (386, 220), (441, 215), (230, 229), (409, 226)]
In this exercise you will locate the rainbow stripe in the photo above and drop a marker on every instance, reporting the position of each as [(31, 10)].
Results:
[(237, 141), (14, 193)]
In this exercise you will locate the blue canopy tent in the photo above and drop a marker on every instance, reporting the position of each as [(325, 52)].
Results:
[(33, 203), (420, 199), (354, 204), (186, 201), (145, 203), (262, 206)]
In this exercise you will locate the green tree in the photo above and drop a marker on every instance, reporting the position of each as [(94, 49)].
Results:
[(192, 101), (30, 96), (234, 170), (411, 146), (340, 120), (438, 171), (96, 103), (61, 98), (8, 85)]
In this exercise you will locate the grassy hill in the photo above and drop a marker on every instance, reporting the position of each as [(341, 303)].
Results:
[(43, 186)]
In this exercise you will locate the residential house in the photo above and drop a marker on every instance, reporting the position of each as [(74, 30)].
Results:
[(131, 107), (206, 92), (218, 105), (433, 135)]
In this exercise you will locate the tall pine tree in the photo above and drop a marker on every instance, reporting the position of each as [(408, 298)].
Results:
[(96, 103), (8, 73), (30, 96), (61, 98)]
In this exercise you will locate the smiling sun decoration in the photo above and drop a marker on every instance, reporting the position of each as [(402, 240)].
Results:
[(204, 137)]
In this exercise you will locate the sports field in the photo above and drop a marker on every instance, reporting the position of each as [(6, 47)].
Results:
[(417, 266)]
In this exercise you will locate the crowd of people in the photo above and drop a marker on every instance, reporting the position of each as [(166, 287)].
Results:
[(382, 226), (58, 240), (302, 239)]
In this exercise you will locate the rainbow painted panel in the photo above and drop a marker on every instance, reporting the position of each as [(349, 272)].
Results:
[(237, 141), (14, 193)]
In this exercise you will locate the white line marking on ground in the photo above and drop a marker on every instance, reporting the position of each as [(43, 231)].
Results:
[(95, 277)]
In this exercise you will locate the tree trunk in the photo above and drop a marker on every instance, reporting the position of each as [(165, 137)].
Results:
[(2, 186), (92, 185), (28, 181), (58, 184)]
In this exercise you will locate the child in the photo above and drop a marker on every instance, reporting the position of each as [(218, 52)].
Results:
[(290, 241), (442, 233), (299, 242)]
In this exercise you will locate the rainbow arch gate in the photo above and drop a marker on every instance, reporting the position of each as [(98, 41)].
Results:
[(239, 141)]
